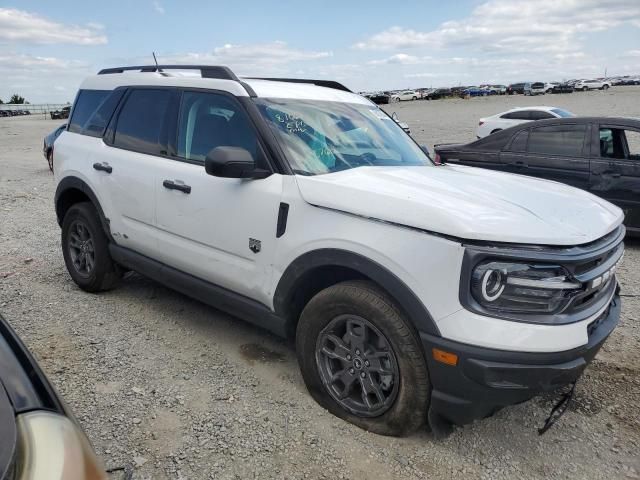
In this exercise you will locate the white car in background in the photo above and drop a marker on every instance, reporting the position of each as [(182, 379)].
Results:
[(585, 85), (515, 116), (405, 95)]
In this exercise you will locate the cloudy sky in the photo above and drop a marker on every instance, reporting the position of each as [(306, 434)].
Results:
[(47, 47)]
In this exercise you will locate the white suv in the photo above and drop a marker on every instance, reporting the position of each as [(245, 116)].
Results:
[(415, 292), (585, 85)]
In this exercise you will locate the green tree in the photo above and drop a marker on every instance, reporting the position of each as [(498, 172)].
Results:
[(15, 98)]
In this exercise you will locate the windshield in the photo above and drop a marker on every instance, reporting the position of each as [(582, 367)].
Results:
[(322, 137), (562, 113)]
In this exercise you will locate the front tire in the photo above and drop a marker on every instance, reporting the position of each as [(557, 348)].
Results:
[(361, 359), (85, 248), (50, 160)]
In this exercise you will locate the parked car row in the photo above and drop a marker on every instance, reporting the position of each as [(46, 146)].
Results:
[(14, 113)]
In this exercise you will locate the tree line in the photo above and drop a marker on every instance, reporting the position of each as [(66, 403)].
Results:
[(15, 98)]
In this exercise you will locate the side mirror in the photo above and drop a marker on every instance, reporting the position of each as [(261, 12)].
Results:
[(232, 162), (394, 115), (425, 149)]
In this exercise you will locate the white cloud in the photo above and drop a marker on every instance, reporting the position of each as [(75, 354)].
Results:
[(274, 52), (272, 58), (18, 26), (157, 6), (32, 76), (515, 26), (399, 59)]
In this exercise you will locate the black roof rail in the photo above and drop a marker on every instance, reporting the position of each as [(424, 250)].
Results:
[(321, 83), (207, 71)]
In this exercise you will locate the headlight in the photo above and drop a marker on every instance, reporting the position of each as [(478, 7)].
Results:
[(52, 447), (522, 287)]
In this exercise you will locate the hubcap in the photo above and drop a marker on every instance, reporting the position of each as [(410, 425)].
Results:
[(357, 366), (81, 248)]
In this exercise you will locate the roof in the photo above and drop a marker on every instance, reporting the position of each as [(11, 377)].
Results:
[(113, 78)]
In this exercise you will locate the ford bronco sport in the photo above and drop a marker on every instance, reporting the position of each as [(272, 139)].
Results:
[(415, 293)]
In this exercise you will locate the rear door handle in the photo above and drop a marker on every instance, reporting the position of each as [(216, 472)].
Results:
[(103, 167), (171, 185)]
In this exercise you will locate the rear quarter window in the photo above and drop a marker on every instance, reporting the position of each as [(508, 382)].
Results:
[(84, 107)]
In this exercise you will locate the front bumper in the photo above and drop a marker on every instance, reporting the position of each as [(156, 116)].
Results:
[(485, 380)]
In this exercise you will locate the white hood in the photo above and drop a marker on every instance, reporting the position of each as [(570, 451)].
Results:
[(466, 202)]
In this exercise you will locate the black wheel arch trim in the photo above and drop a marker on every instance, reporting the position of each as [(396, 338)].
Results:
[(396, 288), (76, 183)]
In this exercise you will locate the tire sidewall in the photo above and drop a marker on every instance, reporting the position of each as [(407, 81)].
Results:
[(409, 408), (103, 264)]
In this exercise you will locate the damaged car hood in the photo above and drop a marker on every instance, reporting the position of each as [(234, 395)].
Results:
[(466, 202)]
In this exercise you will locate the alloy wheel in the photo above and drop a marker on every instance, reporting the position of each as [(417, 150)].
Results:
[(357, 366), (81, 248)]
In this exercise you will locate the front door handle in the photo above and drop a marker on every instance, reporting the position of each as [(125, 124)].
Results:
[(103, 167), (171, 185), (520, 163)]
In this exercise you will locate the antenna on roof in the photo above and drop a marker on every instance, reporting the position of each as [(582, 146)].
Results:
[(156, 60)]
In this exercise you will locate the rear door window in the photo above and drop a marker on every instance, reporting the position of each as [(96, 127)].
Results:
[(519, 115), (85, 106), (141, 120), (566, 140), (540, 115)]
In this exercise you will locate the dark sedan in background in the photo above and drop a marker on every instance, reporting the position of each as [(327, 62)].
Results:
[(49, 140), (39, 440), (598, 154)]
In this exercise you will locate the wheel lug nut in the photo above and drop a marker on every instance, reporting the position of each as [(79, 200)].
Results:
[(348, 357), (352, 371), (363, 374), (366, 362), (357, 352)]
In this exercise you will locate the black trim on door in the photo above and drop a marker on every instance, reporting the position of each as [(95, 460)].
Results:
[(305, 265), (209, 293)]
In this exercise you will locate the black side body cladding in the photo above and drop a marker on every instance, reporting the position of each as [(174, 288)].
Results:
[(206, 292), (406, 299), (74, 183)]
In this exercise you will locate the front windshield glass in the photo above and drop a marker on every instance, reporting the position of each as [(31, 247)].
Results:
[(324, 137)]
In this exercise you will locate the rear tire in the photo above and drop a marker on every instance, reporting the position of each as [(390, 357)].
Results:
[(85, 248), (584, 89), (605, 87), (354, 331)]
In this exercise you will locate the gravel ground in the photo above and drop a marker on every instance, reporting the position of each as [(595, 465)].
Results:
[(179, 390)]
